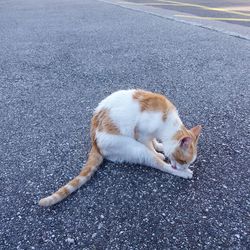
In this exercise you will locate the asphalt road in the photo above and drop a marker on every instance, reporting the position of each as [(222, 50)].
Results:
[(57, 61)]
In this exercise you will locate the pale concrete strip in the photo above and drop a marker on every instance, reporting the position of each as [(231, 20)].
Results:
[(227, 28), (239, 8), (204, 7), (216, 18)]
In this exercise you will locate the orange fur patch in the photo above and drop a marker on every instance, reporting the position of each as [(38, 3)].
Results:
[(74, 183), (181, 133), (186, 156), (94, 159), (63, 192), (153, 102), (101, 121), (86, 170)]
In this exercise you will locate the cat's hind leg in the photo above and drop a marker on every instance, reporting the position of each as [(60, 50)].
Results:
[(120, 148)]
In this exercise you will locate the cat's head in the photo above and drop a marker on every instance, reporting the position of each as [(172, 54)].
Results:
[(185, 152)]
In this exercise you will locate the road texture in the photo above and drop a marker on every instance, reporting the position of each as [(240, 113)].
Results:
[(57, 61)]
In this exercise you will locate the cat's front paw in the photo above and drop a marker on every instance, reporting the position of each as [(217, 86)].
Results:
[(186, 174)]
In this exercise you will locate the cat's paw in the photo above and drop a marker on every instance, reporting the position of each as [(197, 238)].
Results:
[(157, 145), (161, 156), (186, 174)]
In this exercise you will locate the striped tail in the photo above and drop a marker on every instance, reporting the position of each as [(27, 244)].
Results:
[(94, 161)]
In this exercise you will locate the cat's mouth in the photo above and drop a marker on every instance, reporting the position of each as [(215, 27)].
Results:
[(173, 164)]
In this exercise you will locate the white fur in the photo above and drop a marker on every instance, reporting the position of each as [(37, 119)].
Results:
[(70, 188), (123, 110), (170, 127), (125, 113), (82, 179)]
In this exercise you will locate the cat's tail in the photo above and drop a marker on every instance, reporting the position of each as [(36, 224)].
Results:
[(94, 161)]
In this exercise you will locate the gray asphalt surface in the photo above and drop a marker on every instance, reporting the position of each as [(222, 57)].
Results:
[(57, 61)]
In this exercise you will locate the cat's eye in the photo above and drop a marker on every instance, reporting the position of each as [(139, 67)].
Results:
[(182, 162)]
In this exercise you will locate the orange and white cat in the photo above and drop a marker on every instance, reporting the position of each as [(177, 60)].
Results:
[(136, 126)]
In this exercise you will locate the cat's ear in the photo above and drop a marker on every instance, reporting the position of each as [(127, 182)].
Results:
[(196, 130), (185, 142)]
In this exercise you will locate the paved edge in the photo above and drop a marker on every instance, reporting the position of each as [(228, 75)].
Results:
[(223, 27)]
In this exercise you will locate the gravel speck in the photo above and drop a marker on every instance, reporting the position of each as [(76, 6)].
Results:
[(70, 240)]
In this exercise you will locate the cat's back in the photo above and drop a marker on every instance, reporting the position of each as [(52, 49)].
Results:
[(123, 110), (130, 108), (117, 100)]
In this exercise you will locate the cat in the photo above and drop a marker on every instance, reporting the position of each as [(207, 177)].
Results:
[(139, 127)]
